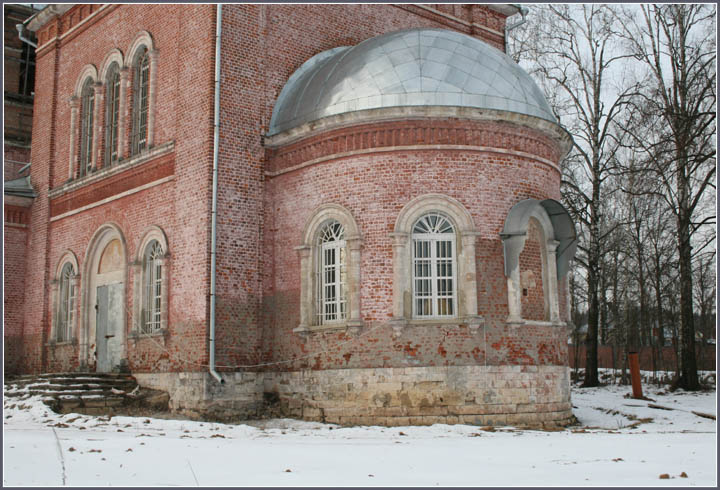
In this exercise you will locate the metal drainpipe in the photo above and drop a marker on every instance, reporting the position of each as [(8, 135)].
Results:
[(20, 28), (216, 144), (523, 11)]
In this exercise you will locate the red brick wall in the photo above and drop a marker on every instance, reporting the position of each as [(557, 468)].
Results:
[(15, 241), (262, 46), (374, 187), (181, 207), (531, 274)]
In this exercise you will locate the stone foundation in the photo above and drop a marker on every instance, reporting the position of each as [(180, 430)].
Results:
[(199, 396), (476, 395)]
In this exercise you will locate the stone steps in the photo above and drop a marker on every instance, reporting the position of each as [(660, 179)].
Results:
[(88, 393)]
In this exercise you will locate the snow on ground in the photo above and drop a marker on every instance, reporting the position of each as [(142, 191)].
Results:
[(619, 441)]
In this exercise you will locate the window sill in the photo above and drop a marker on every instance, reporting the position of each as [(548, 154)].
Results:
[(54, 343), (536, 323), (137, 335), (350, 326), (116, 168)]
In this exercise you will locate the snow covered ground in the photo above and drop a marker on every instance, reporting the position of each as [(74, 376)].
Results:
[(619, 441)]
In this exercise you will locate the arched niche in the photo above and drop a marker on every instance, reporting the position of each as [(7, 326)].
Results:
[(560, 244)]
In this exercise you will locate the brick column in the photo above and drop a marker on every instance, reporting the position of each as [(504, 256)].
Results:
[(400, 280), (74, 113), (513, 244), (151, 98), (553, 297), (306, 287), (354, 245)]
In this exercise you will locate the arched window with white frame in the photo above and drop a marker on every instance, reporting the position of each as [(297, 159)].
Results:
[(66, 304), (330, 271), (331, 274), (151, 269), (141, 97), (434, 267), (152, 288), (87, 111), (64, 297), (112, 114)]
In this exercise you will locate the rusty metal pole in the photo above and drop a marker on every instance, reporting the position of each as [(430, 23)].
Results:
[(635, 375)]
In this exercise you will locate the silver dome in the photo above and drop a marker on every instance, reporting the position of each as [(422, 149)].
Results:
[(415, 67)]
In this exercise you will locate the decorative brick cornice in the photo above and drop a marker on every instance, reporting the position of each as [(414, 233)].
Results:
[(67, 23), (446, 133), (136, 176)]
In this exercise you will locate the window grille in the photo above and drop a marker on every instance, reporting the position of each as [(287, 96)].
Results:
[(86, 127), (331, 275), (112, 111), (152, 300), (66, 310), (434, 294), (140, 101)]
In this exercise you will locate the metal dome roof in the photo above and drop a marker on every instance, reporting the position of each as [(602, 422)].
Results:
[(415, 67)]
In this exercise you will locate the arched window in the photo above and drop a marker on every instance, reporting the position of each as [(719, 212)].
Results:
[(331, 274), (434, 266), (66, 304), (434, 271), (87, 108), (141, 89), (152, 288), (112, 114)]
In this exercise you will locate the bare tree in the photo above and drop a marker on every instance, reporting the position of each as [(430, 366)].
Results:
[(675, 130), (574, 57)]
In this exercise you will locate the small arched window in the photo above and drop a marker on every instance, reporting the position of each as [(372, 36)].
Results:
[(112, 114), (66, 304), (331, 274), (87, 108), (141, 89), (151, 316), (434, 290)]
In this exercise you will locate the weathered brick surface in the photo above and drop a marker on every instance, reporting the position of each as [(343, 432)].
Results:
[(265, 197), (180, 206), (531, 274), (15, 242)]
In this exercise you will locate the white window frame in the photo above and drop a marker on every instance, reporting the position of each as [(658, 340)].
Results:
[(151, 289), (65, 302), (465, 271), (433, 240), (338, 269), (311, 262), (153, 274)]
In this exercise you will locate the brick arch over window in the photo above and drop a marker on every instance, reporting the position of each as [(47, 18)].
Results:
[(64, 289), (309, 265), (466, 273), (560, 241), (151, 283), (141, 58)]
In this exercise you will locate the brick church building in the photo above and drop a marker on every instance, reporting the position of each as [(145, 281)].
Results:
[(349, 209)]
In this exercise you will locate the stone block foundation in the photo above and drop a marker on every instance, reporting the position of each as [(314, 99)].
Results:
[(478, 395)]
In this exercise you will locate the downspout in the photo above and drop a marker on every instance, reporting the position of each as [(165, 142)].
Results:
[(523, 12), (216, 144), (20, 28)]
